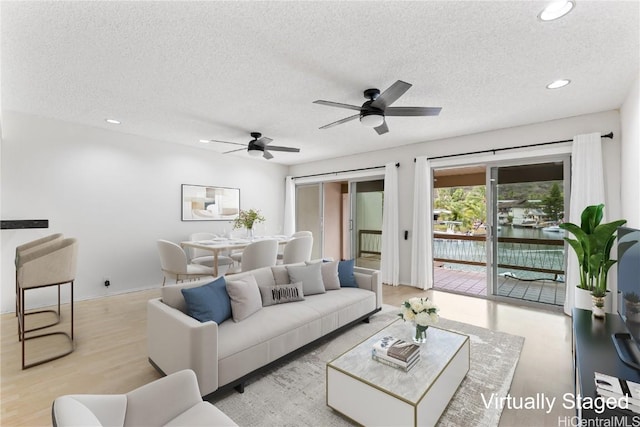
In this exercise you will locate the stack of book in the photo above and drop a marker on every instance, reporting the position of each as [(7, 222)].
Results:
[(626, 392), (396, 353)]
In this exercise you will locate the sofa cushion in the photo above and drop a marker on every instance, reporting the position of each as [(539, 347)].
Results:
[(172, 294), (208, 302), (245, 297), (281, 294), (345, 273), (263, 276), (330, 277), (280, 274), (310, 276)]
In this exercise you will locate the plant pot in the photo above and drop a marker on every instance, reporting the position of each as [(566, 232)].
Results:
[(598, 307), (583, 299)]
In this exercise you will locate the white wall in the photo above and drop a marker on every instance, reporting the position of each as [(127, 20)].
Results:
[(630, 151), (117, 194), (531, 134)]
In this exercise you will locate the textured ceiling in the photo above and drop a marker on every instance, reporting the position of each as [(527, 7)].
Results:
[(184, 71)]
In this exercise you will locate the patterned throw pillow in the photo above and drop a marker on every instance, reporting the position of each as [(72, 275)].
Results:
[(281, 294)]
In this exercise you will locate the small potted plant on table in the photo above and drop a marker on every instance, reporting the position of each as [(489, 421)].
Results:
[(247, 219)]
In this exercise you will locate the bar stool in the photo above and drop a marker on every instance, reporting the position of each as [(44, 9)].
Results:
[(50, 264), (24, 249)]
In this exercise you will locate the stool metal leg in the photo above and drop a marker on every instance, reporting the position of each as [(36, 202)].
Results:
[(23, 330)]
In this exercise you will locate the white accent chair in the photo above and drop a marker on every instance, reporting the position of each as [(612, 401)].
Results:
[(52, 263), (173, 261), (173, 400), (262, 253), (204, 257), (301, 234), (297, 250)]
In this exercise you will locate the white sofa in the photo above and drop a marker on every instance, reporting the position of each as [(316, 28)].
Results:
[(170, 401), (224, 355)]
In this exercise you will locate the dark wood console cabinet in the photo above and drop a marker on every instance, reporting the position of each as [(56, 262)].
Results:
[(593, 350)]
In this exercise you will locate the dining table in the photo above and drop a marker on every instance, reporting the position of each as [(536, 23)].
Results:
[(221, 244)]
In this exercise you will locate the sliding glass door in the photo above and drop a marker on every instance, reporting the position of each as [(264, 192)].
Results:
[(526, 249), (309, 214)]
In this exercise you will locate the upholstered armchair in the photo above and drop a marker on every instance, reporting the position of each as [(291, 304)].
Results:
[(173, 400)]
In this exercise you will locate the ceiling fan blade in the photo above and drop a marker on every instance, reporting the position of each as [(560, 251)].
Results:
[(287, 149), (412, 111), (233, 151), (382, 128), (263, 141), (227, 142), (339, 122), (267, 155), (391, 95), (337, 104)]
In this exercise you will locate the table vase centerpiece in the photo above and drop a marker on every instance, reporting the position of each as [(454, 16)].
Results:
[(422, 313)]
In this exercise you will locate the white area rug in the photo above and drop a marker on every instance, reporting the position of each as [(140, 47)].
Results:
[(294, 392)]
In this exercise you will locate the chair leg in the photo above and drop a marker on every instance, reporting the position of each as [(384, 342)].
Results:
[(22, 329)]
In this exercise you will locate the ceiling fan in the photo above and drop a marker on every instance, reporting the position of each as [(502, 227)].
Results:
[(372, 113), (259, 146)]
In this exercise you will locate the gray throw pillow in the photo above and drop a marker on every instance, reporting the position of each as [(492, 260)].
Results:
[(329, 272), (310, 276), (280, 274), (245, 297), (281, 294)]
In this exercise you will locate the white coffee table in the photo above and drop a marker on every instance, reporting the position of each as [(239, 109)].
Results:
[(374, 394)]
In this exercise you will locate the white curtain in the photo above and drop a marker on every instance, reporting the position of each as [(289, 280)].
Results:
[(390, 257), (421, 240), (587, 188), (289, 225)]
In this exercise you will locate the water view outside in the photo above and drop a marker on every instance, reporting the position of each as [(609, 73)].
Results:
[(527, 255)]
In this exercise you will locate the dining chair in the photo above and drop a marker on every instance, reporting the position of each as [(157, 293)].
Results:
[(50, 264), (174, 265), (204, 257), (303, 233), (297, 250), (262, 253)]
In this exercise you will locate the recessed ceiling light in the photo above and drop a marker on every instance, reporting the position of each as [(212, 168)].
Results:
[(558, 84), (112, 121), (556, 9), (205, 141)]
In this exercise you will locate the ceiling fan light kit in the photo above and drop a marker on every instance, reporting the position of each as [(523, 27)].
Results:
[(372, 113), (258, 146)]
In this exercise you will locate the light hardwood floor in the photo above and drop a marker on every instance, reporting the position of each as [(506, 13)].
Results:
[(111, 355)]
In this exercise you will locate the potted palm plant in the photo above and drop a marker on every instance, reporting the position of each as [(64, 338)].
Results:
[(592, 245)]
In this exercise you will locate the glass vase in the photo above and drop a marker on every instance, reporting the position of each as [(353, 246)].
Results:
[(250, 233), (420, 334)]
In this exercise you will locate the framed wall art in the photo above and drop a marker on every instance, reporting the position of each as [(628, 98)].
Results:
[(204, 203)]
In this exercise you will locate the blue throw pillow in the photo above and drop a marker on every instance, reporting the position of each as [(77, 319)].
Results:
[(208, 302), (345, 274)]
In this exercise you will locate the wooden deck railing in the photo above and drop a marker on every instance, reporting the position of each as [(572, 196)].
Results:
[(369, 242)]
